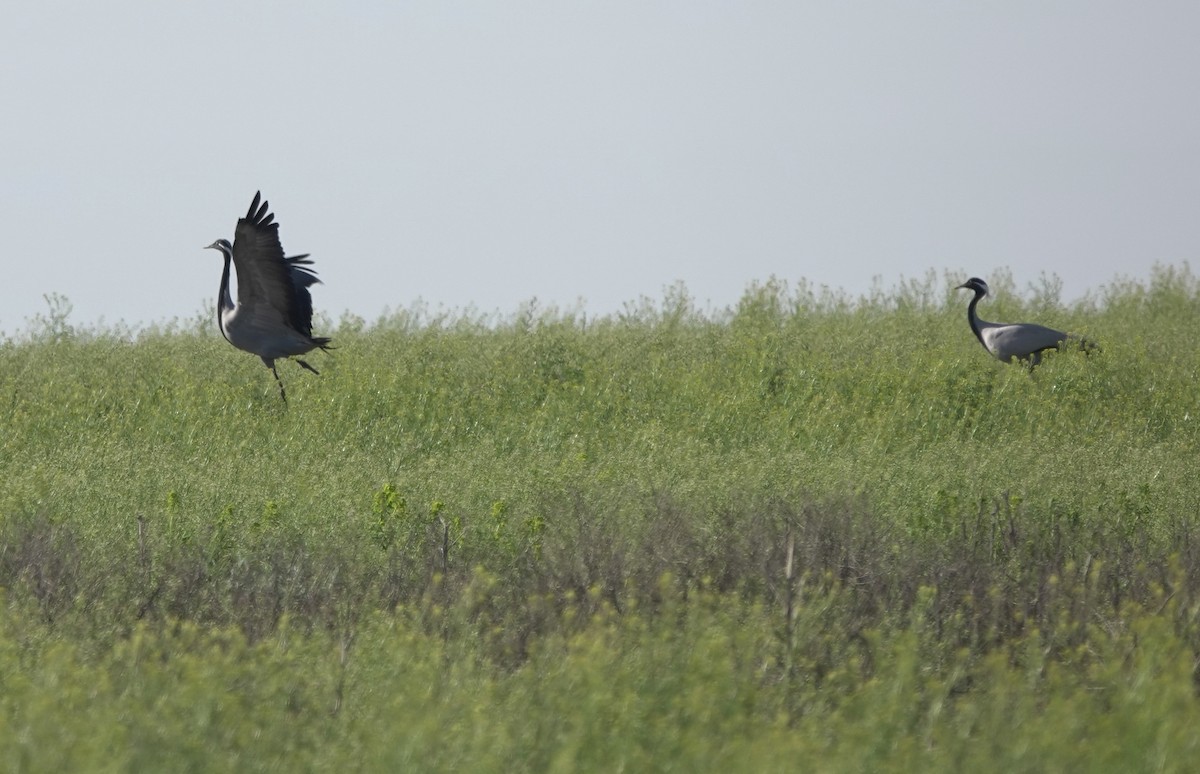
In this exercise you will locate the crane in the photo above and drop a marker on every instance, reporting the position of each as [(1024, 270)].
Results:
[(273, 314), (1024, 341)]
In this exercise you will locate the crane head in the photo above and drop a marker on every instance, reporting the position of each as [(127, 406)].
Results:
[(222, 245), (979, 286)]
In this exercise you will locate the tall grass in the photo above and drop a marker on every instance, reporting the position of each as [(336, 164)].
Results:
[(806, 531)]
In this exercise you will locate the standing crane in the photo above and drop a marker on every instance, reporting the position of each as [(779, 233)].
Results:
[(273, 314), (1024, 341)]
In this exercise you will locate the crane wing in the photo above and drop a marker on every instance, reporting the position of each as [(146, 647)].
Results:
[(302, 277), (1021, 339), (265, 286)]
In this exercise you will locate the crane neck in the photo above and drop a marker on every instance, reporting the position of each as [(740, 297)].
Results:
[(224, 299), (972, 318)]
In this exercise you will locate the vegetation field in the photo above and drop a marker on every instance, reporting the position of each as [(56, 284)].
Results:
[(808, 533)]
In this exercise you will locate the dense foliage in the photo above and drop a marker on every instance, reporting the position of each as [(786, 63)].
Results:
[(806, 532)]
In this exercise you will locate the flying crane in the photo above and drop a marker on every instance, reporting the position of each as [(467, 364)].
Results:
[(273, 314)]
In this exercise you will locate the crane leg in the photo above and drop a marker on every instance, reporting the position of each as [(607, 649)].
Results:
[(282, 394), (306, 365)]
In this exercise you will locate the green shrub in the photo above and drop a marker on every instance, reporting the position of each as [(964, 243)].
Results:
[(805, 532)]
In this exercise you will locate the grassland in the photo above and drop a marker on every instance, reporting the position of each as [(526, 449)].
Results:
[(806, 533)]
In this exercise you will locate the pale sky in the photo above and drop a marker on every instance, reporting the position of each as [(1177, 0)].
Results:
[(484, 154)]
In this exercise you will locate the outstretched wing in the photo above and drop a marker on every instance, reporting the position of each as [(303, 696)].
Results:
[(265, 286), (301, 277)]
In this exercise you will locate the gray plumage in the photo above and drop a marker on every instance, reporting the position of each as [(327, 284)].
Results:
[(1024, 341), (273, 314)]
